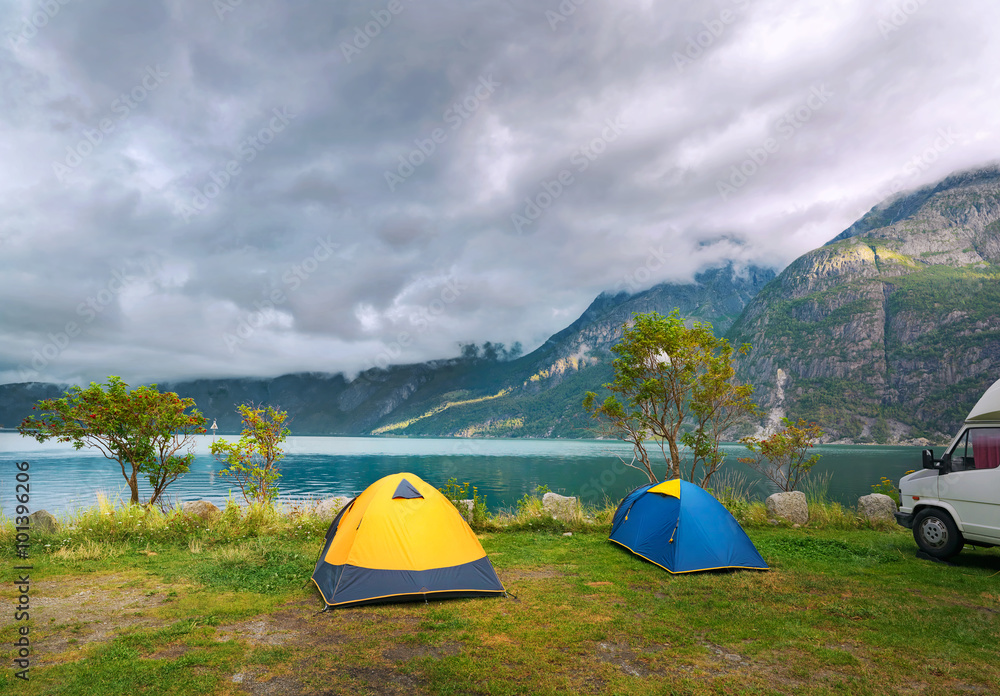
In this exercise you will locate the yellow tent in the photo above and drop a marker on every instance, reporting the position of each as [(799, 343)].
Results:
[(402, 540)]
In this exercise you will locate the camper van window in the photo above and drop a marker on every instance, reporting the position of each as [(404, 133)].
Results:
[(961, 457), (985, 447)]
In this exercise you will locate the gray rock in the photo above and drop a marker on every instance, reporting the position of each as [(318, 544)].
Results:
[(201, 508), (561, 507), (877, 507), (465, 507), (328, 509), (42, 521), (791, 506)]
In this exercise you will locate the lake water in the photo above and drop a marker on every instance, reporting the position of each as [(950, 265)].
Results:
[(63, 479)]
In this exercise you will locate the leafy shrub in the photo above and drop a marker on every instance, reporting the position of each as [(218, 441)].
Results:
[(887, 487), (455, 492), (253, 461)]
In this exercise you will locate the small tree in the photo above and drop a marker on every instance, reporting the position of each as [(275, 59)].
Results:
[(677, 385), (253, 461), (781, 457), (143, 430)]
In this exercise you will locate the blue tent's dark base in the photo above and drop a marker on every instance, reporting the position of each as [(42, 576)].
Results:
[(723, 569), (422, 597)]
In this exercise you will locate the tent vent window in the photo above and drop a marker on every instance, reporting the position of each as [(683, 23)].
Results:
[(405, 489)]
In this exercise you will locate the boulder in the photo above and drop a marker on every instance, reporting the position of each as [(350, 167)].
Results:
[(465, 507), (328, 509), (201, 508), (561, 507), (877, 507), (42, 521), (791, 506)]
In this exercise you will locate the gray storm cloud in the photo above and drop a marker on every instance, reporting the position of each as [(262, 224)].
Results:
[(225, 188)]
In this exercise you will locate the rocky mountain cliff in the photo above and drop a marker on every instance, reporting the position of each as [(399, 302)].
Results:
[(892, 329)]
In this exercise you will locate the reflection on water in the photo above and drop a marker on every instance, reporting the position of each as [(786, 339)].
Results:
[(63, 479)]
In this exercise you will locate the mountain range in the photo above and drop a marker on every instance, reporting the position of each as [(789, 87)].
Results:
[(887, 333)]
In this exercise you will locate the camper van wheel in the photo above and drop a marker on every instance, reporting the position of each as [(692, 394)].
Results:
[(936, 533)]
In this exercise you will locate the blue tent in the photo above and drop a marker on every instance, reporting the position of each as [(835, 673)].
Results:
[(682, 528)]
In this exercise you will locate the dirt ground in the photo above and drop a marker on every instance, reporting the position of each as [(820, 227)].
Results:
[(332, 652), (74, 615)]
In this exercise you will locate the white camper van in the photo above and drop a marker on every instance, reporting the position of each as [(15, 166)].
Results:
[(955, 500)]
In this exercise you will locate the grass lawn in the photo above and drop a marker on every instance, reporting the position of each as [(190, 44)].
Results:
[(840, 612)]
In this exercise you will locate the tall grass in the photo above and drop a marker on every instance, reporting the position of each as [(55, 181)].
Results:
[(731, 487), (459, 495), (530, 514), (822, 511), (104, 530), (91, 550), (817, 488), (116, 523), (735, 492)]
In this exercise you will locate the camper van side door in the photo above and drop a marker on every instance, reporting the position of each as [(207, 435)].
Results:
[(973, 486)]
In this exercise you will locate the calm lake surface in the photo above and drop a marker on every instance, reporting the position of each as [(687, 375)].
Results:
[(63, 479)]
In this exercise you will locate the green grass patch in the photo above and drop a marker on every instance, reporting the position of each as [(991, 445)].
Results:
[(262, 564), (227, 608)]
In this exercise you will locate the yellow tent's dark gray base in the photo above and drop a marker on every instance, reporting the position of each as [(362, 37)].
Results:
[(350, 585), (423, 597)]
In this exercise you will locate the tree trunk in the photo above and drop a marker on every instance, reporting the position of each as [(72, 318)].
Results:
[(133, 486), (637, 447), (675, 458)]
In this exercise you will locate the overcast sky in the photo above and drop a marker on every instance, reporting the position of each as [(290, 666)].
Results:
[(199, 188)]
